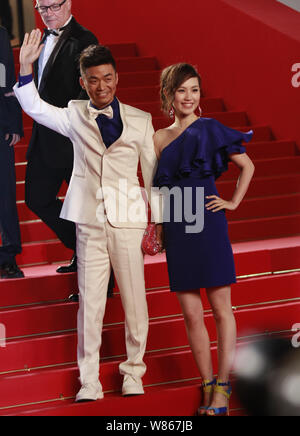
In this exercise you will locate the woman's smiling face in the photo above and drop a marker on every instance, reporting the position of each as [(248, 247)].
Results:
[(187, 97)]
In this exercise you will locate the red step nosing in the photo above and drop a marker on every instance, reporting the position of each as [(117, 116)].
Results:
[(264, 178), (43, 252), (268, 206), (267, 219), (263, 186), (264, 228), (274, 196), (277, 159)]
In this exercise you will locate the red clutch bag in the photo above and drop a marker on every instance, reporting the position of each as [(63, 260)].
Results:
[(149, 244)]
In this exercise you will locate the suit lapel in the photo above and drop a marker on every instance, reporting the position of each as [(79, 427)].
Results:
[(93, 127), (123, 118), (60, 43)]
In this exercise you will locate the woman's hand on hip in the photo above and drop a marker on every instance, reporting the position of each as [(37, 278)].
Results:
[(216, 204)]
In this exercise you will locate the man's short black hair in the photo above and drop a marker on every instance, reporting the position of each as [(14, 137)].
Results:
[(96, 55)]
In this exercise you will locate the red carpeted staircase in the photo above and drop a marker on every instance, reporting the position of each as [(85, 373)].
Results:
[(38, 372)]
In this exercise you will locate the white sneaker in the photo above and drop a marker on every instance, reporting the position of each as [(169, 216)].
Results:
[(132, 386), (90, 392)]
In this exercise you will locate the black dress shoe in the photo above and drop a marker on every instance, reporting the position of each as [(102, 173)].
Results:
[(11, 271), (74, 298), (71, 268)]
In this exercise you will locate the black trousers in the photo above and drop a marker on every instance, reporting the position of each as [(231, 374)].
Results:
[(9, 220), (42, 186)]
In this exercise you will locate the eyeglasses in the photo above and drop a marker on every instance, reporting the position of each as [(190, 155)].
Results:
[(53, 8)]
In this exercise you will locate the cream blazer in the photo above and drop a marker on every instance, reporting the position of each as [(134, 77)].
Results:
[(104, 182)]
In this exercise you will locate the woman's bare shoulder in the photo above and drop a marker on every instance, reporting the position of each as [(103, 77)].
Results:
[(163, 136)]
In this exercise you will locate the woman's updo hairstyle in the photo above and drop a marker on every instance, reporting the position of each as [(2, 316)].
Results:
[(171, 79)]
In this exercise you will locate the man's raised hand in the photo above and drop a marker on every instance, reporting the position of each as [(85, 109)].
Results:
[(30, 51)]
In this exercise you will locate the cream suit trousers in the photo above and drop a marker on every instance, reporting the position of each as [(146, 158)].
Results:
[(100, 246)]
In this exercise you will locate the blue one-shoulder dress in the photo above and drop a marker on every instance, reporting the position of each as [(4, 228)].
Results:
[(196, 158)]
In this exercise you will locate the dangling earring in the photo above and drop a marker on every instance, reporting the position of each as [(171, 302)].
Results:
[(171, 112), (200, 111)]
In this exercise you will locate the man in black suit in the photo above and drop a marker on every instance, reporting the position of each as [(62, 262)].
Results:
[(10, 132), (50, 155)]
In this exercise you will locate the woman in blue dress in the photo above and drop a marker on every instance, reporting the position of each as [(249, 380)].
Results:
[(193, 152)]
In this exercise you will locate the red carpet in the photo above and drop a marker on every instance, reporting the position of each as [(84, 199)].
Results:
[(38, 373)]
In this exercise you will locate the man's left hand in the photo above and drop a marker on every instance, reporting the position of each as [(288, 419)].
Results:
[(30, 51)]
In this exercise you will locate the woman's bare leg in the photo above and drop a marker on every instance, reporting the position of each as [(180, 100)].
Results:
[(220, 300), (199, 341)]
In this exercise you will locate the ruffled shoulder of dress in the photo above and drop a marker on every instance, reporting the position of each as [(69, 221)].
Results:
[(202, 150), (230, 138), (228, 141)]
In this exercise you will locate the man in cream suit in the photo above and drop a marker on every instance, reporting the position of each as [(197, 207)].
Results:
[(105, 201)]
